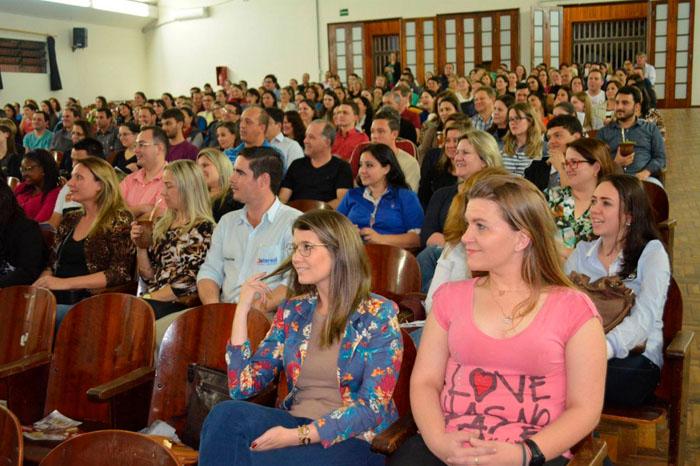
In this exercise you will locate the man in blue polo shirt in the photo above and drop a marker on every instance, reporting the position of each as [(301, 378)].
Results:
[(253, 125)]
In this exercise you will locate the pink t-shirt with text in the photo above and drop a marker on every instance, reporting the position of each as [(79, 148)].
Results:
[(507, 389)]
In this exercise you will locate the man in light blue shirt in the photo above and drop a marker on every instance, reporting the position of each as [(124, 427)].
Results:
[(288, 147), (251, 240), (41, 137)]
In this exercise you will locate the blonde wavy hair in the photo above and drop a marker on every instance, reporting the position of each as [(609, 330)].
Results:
[(194, 197), (110, 204), (223, 167), (455, 224)]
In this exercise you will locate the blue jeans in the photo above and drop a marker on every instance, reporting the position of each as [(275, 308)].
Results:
[(61, 311), (630, 381), (427, 260), (232, 426)]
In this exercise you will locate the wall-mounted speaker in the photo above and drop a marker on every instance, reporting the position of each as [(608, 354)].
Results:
[(79, 38)]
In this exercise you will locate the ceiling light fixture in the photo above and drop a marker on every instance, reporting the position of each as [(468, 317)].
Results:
[(127, 7), (81, 3)]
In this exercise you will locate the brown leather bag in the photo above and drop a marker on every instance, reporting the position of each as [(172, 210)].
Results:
[(611, 297)]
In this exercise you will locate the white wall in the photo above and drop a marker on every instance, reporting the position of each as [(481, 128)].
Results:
[(252, 38), (113, 63)]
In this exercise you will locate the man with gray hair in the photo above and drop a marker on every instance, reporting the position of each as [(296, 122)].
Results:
[(406, 129), (385, 130), (320, 175)]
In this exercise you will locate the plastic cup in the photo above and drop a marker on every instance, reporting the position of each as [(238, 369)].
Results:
[(626, 148), (147, 234)]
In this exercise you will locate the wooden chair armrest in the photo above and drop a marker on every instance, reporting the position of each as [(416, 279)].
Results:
[(29, 362), (391, 439), (589, 452), (413, 302), (121, 384), (680, 345)]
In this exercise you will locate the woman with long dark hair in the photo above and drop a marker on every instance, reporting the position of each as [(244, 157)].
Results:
[(293, 127), (628, 246)]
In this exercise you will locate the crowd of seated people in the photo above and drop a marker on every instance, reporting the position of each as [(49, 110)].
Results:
[(188, 196)]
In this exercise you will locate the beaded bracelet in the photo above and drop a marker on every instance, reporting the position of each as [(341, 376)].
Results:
[(304, 434)]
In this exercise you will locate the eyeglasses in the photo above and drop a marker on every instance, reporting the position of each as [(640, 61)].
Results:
[(574, 164), (143, 144), (304, 249)]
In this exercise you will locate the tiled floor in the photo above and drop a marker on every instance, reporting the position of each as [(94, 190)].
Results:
[(683, 187)]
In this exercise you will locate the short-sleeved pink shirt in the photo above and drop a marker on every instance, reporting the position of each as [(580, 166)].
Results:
[(508, 389)]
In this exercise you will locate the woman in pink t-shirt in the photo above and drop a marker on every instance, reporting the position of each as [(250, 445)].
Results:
[(511, 365)]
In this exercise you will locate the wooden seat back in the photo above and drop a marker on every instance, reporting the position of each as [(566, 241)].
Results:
[(395, 271), (673, 323), (197, 336), (109, 448), (11, 442), (660, 210), (658, 200), (27, 319), (401, 395), (27, 316), (102, 338), (305, 205), (355, 157)]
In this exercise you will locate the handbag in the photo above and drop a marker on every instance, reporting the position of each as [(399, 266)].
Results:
[(611, 297), (207, 387)]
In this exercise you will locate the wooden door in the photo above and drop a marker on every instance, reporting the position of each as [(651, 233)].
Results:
[(380, 39)]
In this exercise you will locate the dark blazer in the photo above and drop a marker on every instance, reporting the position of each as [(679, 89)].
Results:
[(23, 249)]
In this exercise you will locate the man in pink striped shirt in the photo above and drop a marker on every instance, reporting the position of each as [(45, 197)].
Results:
[(142, 189)]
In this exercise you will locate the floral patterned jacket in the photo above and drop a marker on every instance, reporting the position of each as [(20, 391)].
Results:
[(572, 229), (369, 360)]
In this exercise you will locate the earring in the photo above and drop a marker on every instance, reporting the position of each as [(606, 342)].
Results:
[(628, 224)]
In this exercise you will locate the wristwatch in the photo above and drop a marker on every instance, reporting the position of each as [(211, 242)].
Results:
[(536, 456)]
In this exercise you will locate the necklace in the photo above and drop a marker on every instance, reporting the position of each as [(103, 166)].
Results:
[(505, 317)]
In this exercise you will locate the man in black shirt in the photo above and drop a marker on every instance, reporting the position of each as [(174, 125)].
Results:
[(319, 175)]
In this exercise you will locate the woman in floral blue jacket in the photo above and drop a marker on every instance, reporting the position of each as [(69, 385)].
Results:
[(341, 358)]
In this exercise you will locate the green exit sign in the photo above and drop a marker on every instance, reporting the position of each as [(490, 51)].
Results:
[(344, 12)]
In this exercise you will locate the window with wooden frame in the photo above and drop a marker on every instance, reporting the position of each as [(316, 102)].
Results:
[(345, 49), (22, 56), (419, 46), (546, 36), (488, 38), (671, 51)]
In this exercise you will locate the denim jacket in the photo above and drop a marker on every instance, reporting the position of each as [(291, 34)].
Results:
[(369, 360)]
